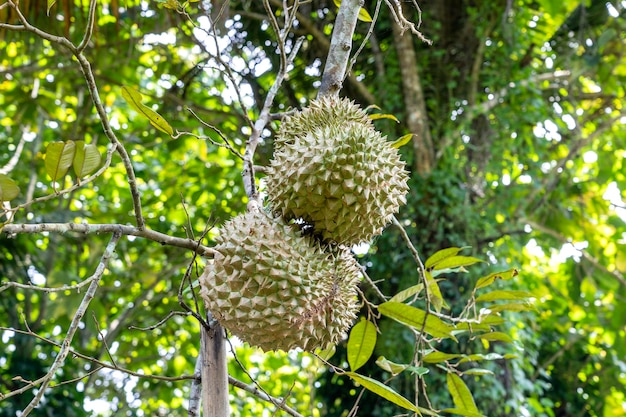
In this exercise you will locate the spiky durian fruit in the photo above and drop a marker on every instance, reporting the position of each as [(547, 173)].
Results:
[(340, 175), (326, 111), (277, 289)]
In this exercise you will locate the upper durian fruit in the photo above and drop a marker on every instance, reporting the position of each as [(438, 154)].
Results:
[(276, 289), (326, 111), (340, 175)]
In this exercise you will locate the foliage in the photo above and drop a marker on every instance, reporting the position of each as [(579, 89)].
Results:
[(523, 101)]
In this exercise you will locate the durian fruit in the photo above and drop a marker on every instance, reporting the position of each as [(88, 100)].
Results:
[(277, 289), (326, 111), (339, 175)]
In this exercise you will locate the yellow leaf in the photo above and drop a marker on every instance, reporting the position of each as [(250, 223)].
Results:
[(134, 98), (377, 116), (403, 140), (364, 16)]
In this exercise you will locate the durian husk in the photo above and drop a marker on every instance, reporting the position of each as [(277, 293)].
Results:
[(276, 289), (326, 111), (342, 176)]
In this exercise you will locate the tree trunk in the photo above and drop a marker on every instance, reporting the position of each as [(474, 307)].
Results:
[(214, 372), (416, 116)]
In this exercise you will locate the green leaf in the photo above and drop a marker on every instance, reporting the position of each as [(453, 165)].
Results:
[(455, 262), (492, 320), (441, 255), (448, 271), (378, 116), (361, 343), (505, 295), (402, 140), (417, 319), (8, 188), (87, 159), (478, 371), (472, 327), (134, 98), (438, 357), (406, 293), (327, 353), (461, 395), (479, 357), (460, 412), (510, 307), (50, 4), (434, 293), (389, 366), (384, 391), (418, 370), (496, 336), (491, 278), (59, 157)]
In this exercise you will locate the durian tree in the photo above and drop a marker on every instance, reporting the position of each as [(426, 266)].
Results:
[(269, 251)]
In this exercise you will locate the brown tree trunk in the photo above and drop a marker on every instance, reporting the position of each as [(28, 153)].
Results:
[(214, 372), (416, 116)]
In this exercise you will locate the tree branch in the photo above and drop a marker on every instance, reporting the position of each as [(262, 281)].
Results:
[(263, 396), (82, 308), (163, 239), (85, 67), (340, 46), (261, 122)]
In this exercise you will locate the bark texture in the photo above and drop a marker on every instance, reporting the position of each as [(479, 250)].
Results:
[(214, 373), (416, 115), (340, 47)]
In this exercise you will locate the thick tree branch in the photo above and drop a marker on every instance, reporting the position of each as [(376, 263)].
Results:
[(340, 47), (214, 371), (84, 228)]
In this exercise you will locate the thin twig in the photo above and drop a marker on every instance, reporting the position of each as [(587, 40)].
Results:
[(9, 166), (162, 321), (226, 143), (409, 244), (90, 25), (372, 284), (262, 121), (398, 15), (257, 389), (30, 201), (259, 393), (80, 312), (98, 362), (104, 339), (281, 44), (367, 36), (85, 67), (13, 284)]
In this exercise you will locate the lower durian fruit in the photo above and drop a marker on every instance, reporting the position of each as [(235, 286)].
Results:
[(274, 288)]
